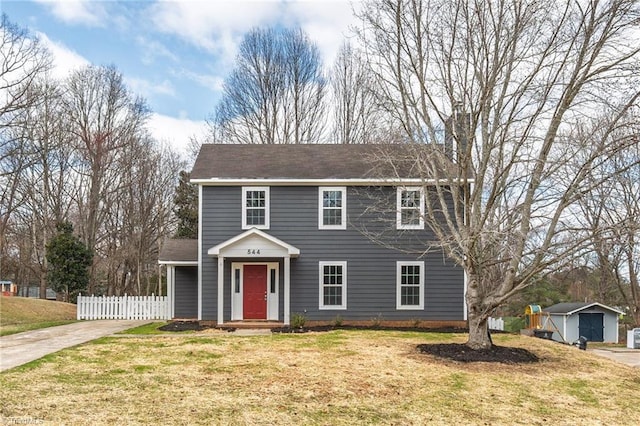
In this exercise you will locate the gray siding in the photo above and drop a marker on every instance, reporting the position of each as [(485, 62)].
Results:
[(186, 292), (371, 268)]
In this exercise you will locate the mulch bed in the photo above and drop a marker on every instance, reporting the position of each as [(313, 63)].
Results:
[(182, 326), (462, 353), (321, 328)]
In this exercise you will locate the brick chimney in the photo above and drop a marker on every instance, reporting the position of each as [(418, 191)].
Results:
[(456, 133)]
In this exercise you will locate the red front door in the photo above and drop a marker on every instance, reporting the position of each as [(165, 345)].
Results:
[(254, 304)]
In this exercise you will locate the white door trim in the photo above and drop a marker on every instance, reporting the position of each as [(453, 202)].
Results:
[(237, 290)]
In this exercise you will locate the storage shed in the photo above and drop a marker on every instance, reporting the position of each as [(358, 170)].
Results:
[(595, 321)]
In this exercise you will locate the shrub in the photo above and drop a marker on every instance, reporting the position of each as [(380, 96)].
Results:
[(377, 320), (298, 320), (337, 321), (513, 324)]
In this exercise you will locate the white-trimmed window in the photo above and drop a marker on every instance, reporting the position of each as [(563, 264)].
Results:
[(255, 207), (410, 208), (332, 207), (410, 285), (333, 285)]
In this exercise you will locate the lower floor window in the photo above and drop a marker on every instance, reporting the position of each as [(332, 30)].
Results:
[(410, 285), (333, 285)]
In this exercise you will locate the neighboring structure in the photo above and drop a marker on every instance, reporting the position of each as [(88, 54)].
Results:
[(33, 291), (596, 322), (8, 288), (287, 229)]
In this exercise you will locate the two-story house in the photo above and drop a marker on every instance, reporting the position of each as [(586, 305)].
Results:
[(287, 229)]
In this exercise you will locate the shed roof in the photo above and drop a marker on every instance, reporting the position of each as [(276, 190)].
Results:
[(183, 251), (311, 161), (573, 307)]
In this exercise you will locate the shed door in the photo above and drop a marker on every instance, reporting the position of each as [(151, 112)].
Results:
[(255, 292), (591, 326)]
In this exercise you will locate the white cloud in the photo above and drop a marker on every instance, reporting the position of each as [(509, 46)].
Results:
[(84, 12), (148, 89), (65, 60), (209, 81), (152, 49), (218, 26), (176, 131), (326, 22), (213, 25)]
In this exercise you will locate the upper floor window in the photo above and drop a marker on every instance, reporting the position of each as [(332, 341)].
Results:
[(255, 207), (410, 208), (410, 285), (333, 285), (332, 203)]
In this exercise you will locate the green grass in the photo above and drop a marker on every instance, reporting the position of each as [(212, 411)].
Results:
[(339, 377), (151, 328), (20, 328), (19, 314)]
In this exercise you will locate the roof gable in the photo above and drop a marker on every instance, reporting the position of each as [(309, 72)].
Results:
[(254, 243)]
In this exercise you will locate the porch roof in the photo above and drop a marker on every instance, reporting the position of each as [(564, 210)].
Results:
[(179, 252), (254, 243)]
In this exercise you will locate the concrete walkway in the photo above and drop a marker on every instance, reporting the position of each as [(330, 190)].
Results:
[(18, 349), (622, 355)]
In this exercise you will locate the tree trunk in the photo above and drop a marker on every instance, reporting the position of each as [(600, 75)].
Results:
[(479, 337), (43, 287)]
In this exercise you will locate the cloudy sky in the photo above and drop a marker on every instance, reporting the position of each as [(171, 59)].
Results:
[(175, 54)]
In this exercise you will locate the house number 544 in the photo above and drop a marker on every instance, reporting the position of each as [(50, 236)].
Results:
[(253, 251)]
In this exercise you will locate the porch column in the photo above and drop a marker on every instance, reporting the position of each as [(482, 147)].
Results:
[(171, 276), (220, 306), (287, 285)]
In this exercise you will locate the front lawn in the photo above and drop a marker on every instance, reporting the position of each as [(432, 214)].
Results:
[(18, 314), (337, 377)]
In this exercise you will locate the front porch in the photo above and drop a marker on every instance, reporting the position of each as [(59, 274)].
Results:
[(255, 259)]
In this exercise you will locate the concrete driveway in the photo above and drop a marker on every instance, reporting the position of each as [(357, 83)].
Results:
[(622, 355), (18, 349)]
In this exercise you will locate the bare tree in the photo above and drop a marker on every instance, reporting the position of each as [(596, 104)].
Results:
[(511, 80), (22, 61), (612, 216), (138, 217), (45, 186), (275, 94), (105, 119), (357, 116)]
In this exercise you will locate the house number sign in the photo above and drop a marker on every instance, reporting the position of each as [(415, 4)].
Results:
[(253, 251)]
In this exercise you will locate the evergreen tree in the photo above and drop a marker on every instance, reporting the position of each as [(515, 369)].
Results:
[(186, 207), (69, 261)]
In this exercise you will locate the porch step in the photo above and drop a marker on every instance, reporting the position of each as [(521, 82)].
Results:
[(252, 325)]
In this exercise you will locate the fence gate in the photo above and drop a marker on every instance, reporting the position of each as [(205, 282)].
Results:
[(123, 307)]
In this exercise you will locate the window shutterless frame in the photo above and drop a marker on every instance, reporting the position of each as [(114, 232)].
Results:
[(410, 285), (410, 207), (255, 207), (333, 285), (332, 207)]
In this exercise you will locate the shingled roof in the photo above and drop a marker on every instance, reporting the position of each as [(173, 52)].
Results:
[(569, 308), (179, 250), (320, 161)]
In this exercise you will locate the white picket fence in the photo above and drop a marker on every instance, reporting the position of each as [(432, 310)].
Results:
[(123, 307), (496, 324)]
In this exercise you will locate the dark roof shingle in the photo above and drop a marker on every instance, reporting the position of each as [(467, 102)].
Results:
[(319, 161), (179, 250), (569, 307)]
